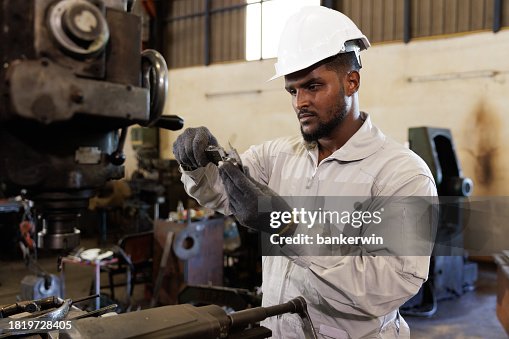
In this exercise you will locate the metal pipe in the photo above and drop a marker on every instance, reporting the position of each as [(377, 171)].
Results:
[(407, 23), (497, 15), (208, 23)]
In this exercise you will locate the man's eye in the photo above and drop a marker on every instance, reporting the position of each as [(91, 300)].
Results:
[(292, 91), (313, 87)]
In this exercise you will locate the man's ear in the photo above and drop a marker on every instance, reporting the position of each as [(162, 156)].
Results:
[(353, 82)]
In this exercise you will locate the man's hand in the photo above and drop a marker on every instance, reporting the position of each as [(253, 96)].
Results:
[(189, 148), (243, 193)]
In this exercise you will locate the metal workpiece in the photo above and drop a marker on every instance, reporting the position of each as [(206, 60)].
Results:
[(51, 316), (216, 154), (43, 306), (187, 242), (58, 313)]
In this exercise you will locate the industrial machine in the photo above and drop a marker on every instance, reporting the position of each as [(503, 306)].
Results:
[(451, 274), (72, 79), (181, 321)]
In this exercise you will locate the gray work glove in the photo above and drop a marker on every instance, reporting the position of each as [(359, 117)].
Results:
[(189, 148), (243, 193)]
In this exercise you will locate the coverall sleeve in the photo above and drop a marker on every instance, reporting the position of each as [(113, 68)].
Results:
[(370, 285)]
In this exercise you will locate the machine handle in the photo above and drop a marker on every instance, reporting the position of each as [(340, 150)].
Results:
[(155, 78), (169, 122), (243, 318)]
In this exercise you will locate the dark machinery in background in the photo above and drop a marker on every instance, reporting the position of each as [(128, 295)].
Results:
[(451, 274), (435, 147), (73, 78)]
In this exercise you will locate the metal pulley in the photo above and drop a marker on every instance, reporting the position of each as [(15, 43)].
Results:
[(79, 27)]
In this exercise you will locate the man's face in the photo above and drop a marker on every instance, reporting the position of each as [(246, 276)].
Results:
[(318, 98)]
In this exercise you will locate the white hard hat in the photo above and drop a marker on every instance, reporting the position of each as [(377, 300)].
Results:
[(313, 34)]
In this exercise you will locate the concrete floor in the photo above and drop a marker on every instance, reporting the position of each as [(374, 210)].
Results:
[(471, 316)]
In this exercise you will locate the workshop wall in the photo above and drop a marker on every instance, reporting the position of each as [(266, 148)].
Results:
[(458, 83)]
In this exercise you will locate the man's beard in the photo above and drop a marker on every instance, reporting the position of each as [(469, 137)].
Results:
[(324, 129)]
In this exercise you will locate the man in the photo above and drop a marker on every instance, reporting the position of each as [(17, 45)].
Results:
[(340, 153)]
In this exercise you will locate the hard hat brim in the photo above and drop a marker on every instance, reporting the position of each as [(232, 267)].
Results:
[(364, 45)]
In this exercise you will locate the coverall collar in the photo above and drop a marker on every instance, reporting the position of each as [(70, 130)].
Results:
[(365, 142)]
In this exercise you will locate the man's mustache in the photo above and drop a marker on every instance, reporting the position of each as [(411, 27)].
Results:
[(305, 111)]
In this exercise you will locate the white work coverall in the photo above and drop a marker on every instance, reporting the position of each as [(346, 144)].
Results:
[(347, 296)]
